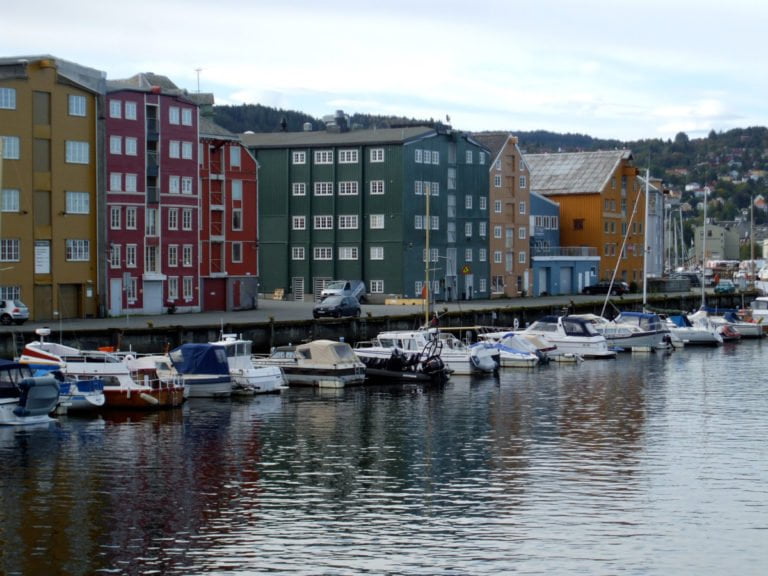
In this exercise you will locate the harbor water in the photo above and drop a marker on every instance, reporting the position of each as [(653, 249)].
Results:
[(650, 464)]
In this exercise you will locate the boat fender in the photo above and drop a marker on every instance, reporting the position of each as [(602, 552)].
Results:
[(149, 398), (516, 324)]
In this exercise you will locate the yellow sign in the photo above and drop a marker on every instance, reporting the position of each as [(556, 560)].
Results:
[(466, 270)]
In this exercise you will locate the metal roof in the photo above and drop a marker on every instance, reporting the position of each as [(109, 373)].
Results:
[(573, 172), (325, 138)]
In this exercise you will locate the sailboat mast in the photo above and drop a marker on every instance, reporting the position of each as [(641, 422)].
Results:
[(703, 247), (426, 290), (645, 237)]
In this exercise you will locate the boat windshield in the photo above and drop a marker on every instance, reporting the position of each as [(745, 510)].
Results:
[(579, 328)]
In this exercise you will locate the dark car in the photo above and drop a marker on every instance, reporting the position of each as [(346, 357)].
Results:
[(336, 307), (617, 289)]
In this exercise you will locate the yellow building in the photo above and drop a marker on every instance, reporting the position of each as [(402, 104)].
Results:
[(51, 175)]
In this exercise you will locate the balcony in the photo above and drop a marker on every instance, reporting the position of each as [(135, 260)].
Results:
[(563, 252), (153, 195)]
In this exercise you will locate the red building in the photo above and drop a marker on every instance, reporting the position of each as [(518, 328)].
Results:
[(153, 197)]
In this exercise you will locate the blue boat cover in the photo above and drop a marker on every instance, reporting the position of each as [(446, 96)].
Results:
[(200, 359)]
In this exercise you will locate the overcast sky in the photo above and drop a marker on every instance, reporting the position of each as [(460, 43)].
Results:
[(606, 68)]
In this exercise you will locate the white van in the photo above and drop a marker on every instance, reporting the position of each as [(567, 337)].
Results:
[(354, 288)]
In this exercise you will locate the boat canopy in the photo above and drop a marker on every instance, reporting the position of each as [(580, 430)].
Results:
[(200, 359)]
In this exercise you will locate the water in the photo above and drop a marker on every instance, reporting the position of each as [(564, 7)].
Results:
[(649, 464)]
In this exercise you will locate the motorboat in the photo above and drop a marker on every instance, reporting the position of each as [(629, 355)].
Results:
[(204, 370), (744, 324), (572, 335), (140, 389), (458, 357), (321, 363), (25, 398), (631, 330), (247, 378), (424, 367), (694, 330), (513, 350), (79, 395)]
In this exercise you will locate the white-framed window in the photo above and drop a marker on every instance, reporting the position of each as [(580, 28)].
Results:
[(237, 218), (297, 253), (418, 188), (235, 156), (521, 233), (497, 206), (131, 146), (186, 255), (10, 200), (418, 156), (376, 286), (10, 250), (432, 188), (174, 116), (130, 218), (174, 149), (151, 260), (115, 182), (115, 144), (483, 202), (186, 219), (299, 223), (482, 254), (436, 157), (497, 180), (130, 110), (130, 255), (130, 183), (377, 155), (173, 218), (237, 191), (323, 253), (418, 222), (497, 257), (299, 188), (115, 109), (150, 221), (323, 222), (376, 187), (186, 116), (76, 104), (323, 189), (173, 255), (450, 234), (482, 229), (481, 157), (468, 229), (78, 250), (323, 156), (521, 206), (377, 252), (12, 148), (497, 231), (299, 157), (7, 98), (497, 164), (348, 188), (173, 288), (376, 221), (186, 150), (434, 222), (237, 252), (451, 179), (78, 202), (348, 222), (521, 257), (468, 254), (174, 184), (468, 157), (468, 202), (186, 185), (523, 182), (427, 157), (115, 253), (348, 156), (188, 288), (348, 253), (483, 284)]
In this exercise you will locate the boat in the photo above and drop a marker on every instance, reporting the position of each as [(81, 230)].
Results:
[(24, 398), (421, 367), (140, 389), (321, 363), (572, 335), (631, 331), (694, 330), (457, 356), (247, 378), (204, 370), (512, 350), (79, 395)]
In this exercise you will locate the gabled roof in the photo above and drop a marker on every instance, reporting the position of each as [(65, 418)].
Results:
[(573, 172), (66, 71), (209, 129), (324, 138)]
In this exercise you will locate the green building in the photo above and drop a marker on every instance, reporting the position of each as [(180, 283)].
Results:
[(367, 205)]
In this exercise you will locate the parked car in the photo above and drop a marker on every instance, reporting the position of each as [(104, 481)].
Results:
[(354, 288), (693, 277), (337, 306), (617, 289), (13, 312), (725, 287)]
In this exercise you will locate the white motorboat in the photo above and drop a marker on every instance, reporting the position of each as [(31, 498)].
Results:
[(247, 378), (24, 398), (572, 335), (512, 350), (322, 363), (694, 330), (204, 369), (631, 330)]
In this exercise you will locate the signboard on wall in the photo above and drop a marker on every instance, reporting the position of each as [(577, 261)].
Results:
[(42, 257)]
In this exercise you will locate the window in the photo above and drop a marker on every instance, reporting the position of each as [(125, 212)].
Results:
[(418, 222), (130, 218), (186, 185), (130, 182), (115, 181), (299, 158), (468, 202), (418, 187), (173, 218), (130, 110), (77, 202), (497, 206), (173, 255), (435, 157), (323, 188), (521, 206), (237, 191), (348, 222), (8, 98), (130, 256), (299, 188), (151, 263), (468, 157), (237, 219), (482, 229), (434, 189), (324, 157), (468, 229), (376, 286), (481, 157), (173, 114), (451, 179), (482, 255), (377, 154), (150, 218), (299, 223), (323, 223), (11, 148), (468, 254), (115, 144), (377, 187), (77, 105), (348, 156), (427, 159), (186, 116), (173, 288), (187, 286), (114, 255), (377, 221), (78, 250), (522, 182), (451, 233), (521, 257), (235, 156), (497, 231), (186, 150), (377, 252), (521, 233), (9, 202), (186, 255), (348, 188), (497, 181), (434, 222), (237, 251), (297, 253), (348, 253), (497, 257), (186, 219), (115, 109), (131, 147), (10, 250), (323, 253), (174, 184), (174, 149), (418, 156), (483, 202)]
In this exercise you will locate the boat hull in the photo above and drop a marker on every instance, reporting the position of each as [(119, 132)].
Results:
[(143, 398)]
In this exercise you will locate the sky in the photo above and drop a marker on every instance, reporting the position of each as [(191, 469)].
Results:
[(604, 68)]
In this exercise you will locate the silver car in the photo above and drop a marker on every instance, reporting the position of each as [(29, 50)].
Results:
[(13, 312)]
